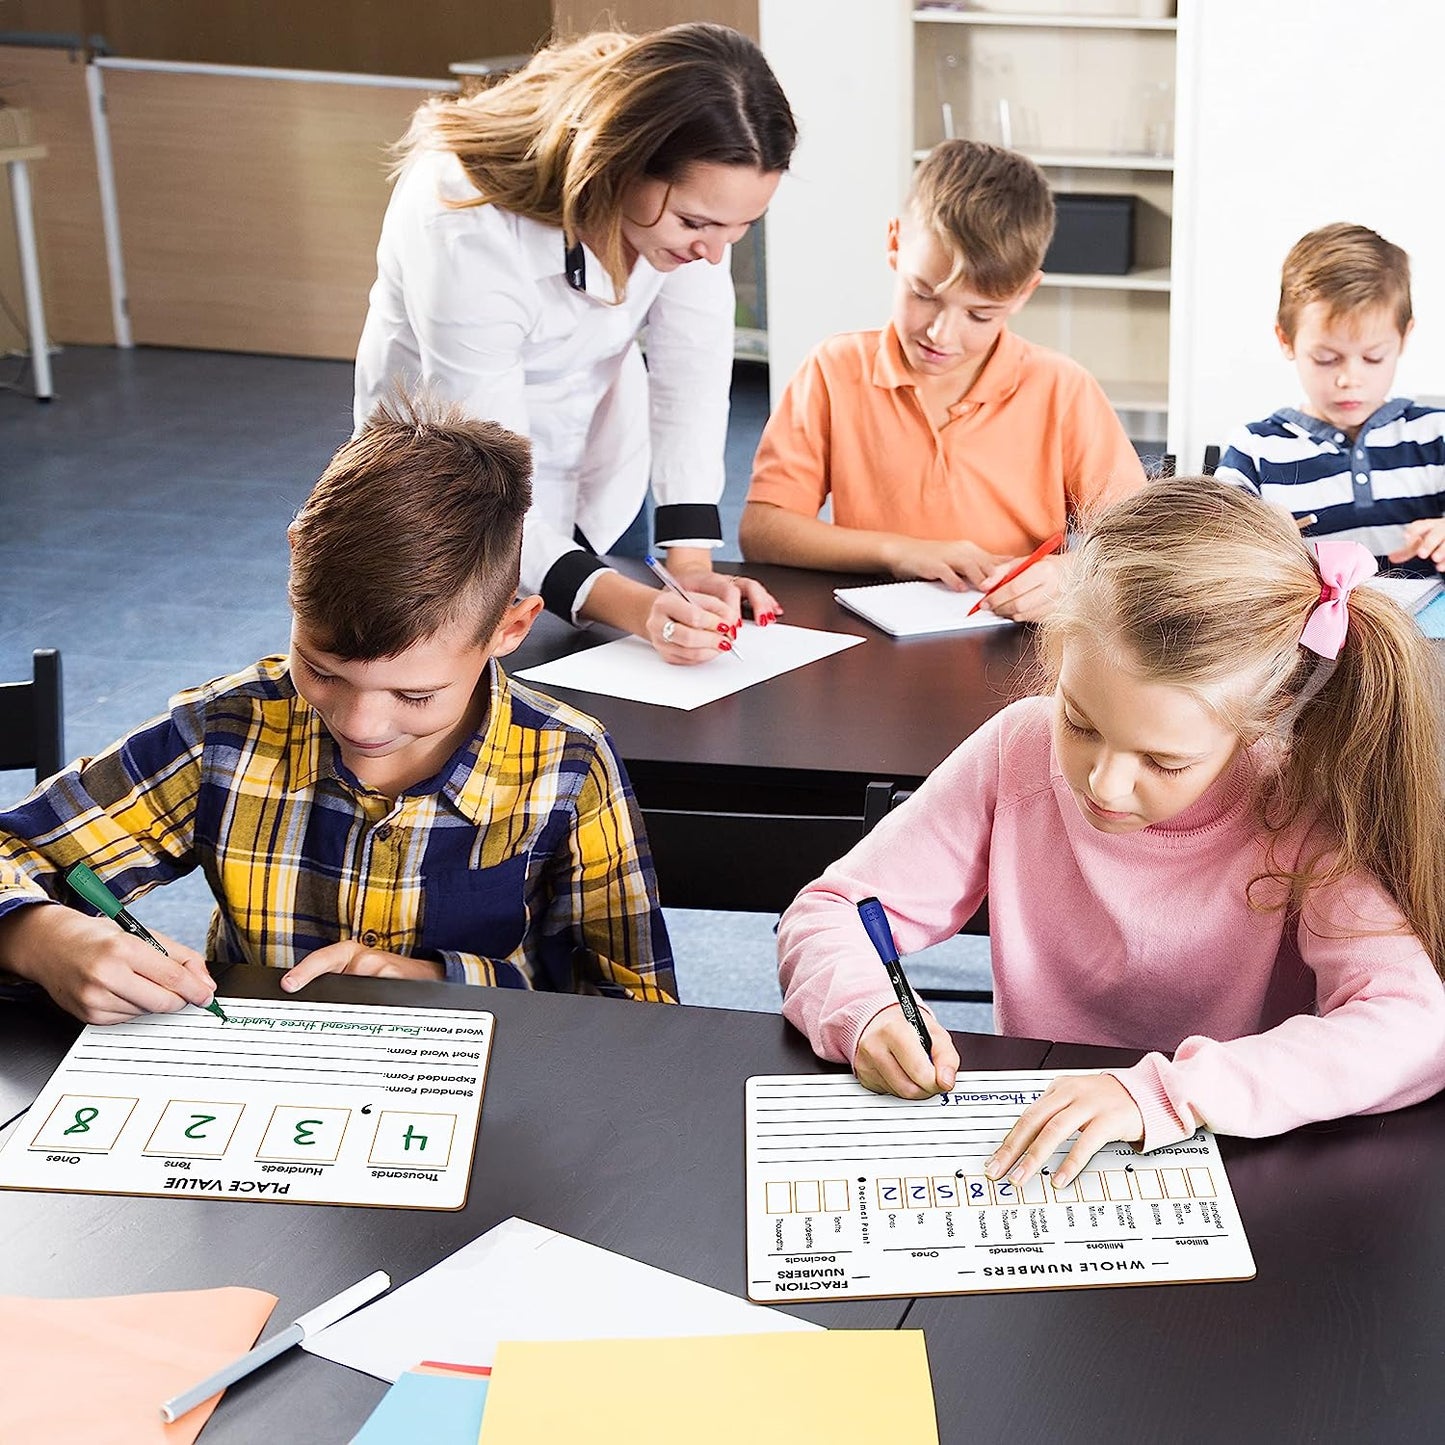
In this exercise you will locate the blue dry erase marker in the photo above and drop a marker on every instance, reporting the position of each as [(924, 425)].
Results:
[(671, 583), (875, 922)]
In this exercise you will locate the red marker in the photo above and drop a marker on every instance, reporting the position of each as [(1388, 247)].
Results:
[(1037, 555)]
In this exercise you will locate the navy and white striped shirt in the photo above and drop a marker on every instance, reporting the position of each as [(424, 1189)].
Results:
[(1363, 491)]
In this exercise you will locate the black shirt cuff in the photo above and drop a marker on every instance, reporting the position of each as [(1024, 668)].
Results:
[(686, 520), (565, 577)]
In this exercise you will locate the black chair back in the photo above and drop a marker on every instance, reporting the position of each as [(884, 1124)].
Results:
[(32, 719)]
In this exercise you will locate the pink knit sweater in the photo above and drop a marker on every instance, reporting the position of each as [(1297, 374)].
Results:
[(1144, 940)]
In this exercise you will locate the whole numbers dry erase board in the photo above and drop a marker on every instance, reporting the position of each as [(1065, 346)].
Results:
[(291, 1102), (855, 1195)]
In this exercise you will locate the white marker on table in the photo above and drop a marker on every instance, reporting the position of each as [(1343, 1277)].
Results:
[(308, 1324)]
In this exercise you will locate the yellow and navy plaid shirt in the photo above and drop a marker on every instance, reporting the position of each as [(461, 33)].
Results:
[(523, 863)]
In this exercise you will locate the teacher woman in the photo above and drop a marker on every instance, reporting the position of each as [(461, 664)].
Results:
[(534, 231)]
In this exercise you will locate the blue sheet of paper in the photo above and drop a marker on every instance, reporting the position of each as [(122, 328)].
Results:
[(440, 1409), (1431, 619)]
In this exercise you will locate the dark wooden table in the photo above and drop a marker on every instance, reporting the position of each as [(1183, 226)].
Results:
[(1340, 1337), (622, 1124), (618, 1123), (750, 797)]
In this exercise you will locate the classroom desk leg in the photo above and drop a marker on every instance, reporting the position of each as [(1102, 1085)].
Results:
[(30, 277)]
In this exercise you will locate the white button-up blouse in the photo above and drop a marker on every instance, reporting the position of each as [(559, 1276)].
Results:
[(475, 303)]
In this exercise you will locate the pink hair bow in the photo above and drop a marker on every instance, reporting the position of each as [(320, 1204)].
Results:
[(1343, 566)]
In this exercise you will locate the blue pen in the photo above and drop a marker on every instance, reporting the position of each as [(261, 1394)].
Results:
[(875, 922), (671, 582)]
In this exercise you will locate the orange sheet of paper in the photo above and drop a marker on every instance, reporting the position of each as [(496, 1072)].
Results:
[(842, 1387), (83, 1370)]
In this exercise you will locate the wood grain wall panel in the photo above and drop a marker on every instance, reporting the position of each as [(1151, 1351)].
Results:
[(369, 37), (250, 207), (577, 17), (66, 189)]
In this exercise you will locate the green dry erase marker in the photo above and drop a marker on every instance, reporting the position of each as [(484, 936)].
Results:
[(84, 881)]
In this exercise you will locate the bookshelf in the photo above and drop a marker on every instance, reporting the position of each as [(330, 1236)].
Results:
[(1090, 98)]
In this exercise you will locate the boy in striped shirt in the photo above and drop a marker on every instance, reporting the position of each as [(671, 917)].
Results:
[(384, 800), (1368, 467)]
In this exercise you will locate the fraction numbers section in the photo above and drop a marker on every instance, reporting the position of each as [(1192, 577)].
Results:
[(83, 1124), (807, 1196)]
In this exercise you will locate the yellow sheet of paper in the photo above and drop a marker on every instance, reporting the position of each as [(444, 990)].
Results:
[(86, 1370), (837, 1387)]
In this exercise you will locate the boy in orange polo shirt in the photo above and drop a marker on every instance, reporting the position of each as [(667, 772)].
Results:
[(950, 447)]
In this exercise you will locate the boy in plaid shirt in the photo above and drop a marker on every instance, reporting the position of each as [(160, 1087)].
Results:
[(384, 800)]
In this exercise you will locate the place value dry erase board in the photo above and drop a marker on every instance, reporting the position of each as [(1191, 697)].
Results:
[(300, 1103), (857, 1195)]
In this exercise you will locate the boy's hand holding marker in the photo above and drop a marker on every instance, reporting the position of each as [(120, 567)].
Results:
[(99, 973)]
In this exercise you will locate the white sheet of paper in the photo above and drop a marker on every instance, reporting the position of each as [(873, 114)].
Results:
[(859, 1195), (630, 668), (915, 609), (296, 1102), (1412, 593), (520, 1281)]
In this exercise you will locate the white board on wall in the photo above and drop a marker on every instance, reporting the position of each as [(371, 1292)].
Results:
[(1292, 115), (847, 69)]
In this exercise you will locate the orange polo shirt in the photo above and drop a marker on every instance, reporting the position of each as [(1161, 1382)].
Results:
[(1032, 444)]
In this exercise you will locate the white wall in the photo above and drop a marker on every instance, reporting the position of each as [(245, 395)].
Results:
[(1293, 114), (847, 69)]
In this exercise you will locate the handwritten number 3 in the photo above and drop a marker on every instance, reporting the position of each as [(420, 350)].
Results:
[(305, 1128)]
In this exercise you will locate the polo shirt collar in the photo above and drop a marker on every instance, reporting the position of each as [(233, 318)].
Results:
[(998, 380), (545, 251), (1322, 431)]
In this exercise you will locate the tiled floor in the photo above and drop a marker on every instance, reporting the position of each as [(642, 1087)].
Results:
[(143, 532)]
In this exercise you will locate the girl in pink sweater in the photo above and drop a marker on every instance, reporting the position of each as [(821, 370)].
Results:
[(1219, 838)]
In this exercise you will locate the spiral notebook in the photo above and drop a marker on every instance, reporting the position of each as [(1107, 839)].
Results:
[(1414, 594), (915, 609)]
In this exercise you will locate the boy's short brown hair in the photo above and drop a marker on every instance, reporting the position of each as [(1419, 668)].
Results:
[(1350, 268), (989, 208), (415, 523)]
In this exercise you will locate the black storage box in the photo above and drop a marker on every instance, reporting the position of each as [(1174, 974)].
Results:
[(1093, 235)]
